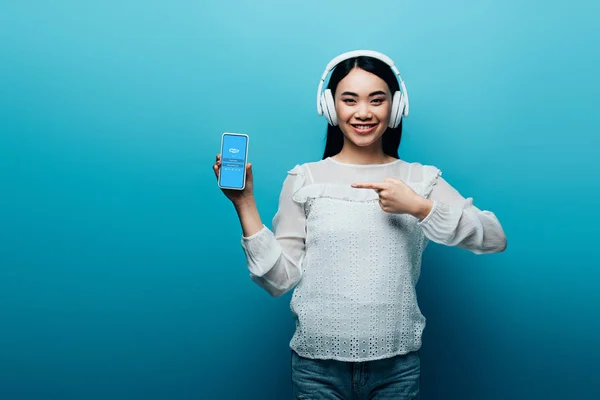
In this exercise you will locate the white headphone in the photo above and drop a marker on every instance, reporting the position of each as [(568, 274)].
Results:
[(325, 104)]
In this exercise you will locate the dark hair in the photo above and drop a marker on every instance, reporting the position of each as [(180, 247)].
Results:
[(391, 137)]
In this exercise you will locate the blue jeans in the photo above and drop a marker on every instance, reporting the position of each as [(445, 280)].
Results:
[(396, 378)]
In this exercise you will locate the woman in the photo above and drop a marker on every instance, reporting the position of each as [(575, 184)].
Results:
[(349, 235)]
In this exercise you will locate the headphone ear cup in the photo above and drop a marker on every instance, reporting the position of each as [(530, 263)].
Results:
[(328, 107), (396, 112), (324, 109)]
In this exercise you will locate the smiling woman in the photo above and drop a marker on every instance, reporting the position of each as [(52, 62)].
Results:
[(121, 270), (356, 106), (361, 112), (354, 301), (365, 89)]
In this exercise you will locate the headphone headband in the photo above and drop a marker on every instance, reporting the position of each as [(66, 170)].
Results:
[(357, 53)]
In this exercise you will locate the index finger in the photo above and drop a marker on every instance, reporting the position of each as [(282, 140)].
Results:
[(370, 185)]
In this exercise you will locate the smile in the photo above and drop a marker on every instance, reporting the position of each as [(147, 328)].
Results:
[(364, 128)]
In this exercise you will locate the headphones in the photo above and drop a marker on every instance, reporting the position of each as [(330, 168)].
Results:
[(326, 106)]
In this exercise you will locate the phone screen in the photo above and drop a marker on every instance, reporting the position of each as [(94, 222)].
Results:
[(234, 154)]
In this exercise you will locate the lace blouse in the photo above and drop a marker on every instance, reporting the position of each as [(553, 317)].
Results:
[(354, 267)]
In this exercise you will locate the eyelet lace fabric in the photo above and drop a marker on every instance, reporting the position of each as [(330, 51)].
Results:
[(356, 299), (354, 267)]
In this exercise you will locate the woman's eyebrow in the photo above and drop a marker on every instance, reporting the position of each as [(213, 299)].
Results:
[(378, 92)]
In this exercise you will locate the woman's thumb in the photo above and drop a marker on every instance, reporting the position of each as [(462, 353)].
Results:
[(249, 170)]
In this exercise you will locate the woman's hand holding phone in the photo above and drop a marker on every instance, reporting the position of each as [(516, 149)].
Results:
[(237, 197), (243, 201)]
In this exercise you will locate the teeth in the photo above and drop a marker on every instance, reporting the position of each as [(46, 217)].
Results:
[(364, 126)]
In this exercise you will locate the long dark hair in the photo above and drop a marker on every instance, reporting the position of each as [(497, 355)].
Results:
[(335, 137)]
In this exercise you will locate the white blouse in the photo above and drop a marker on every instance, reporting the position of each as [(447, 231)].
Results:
[(355, 267)]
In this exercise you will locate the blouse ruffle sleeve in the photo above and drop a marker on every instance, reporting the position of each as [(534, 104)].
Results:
[(456, 221)]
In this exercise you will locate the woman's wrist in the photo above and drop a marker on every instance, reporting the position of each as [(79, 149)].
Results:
[(248, 214), (422, 208), (244, 203)]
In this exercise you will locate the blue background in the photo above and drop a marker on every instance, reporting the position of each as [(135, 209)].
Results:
[(112, 284)]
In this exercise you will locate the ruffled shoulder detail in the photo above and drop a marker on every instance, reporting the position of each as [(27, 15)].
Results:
[(430, 177), (303, 188), (334, 191), (300, 178)]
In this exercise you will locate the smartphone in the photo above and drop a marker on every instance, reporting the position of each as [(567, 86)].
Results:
[(234, 157)]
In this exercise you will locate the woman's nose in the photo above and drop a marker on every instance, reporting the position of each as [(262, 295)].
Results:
[(363, 111)]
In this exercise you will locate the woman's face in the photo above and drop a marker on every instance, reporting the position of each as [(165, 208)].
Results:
[(363, 103)]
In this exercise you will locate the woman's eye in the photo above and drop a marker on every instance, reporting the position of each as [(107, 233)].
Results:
[(348, 100), (378, 101)]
